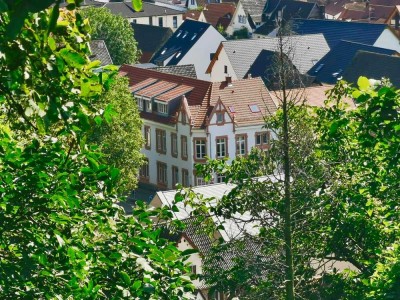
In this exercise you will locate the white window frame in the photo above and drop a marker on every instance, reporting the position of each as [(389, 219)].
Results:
[(241, 145), (221, 149), (162, 108), (200, 146)]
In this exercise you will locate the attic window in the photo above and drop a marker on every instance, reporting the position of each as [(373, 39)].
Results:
[(232, 109), (194, 36), (179, 33), (164, 50), (254, 108), (186, 33)]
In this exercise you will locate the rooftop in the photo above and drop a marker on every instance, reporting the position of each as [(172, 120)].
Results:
[(100, 52)]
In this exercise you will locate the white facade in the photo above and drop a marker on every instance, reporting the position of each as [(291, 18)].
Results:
[(171, 21), (388, 40), (199, 54), (222, 67), (239, 20)]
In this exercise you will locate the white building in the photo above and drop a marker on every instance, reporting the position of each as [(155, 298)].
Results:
[(186, 120), (192, 43)]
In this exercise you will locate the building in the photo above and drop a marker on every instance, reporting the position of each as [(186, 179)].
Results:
[(235, 58), (193, 43), (186, 120), (100, 52)]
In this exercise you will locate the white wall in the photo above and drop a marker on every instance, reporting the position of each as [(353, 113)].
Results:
[(388, 40), (194, 259), (167, 21), (199, 54), (217, 72)]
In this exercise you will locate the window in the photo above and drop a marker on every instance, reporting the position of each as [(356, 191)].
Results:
[(226, 69), (151, 20), (147, 105), (161, 141), (221, 147), (147, 137), (144, 170), (194, 269), (220, 117), (254, 108), (242, 19), (174, 145), (134, 21), (185, 34), (185, 177), (175, 22), (140, 103), (241, 144), (179, 33), (175, 176), (193, 37), (183, 117), (220, 178), (184, 147), (162, 108), (200, 181), (160, 21), (161, 173), (200, 149), (262, 140), (191, 2)]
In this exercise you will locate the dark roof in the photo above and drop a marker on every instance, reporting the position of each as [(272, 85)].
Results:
[(100, 52), (290, 8), (373, 65), (333, 64), (180, 42), (182, 70), (125, 10), (150, 39), (335, 31)]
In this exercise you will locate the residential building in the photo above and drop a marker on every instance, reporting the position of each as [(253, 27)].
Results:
[(150, 39), (235, 58), (378, 35), (186, 120), (193, 43), (331, 67), (151, 14)]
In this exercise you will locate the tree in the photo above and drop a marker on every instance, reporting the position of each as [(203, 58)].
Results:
[(117, 33), (121, 139), (61, 233)]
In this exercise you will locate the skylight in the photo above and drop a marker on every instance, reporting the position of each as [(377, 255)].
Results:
[(178, 54), (164, 50), (194, 36), (254, 108), (179, 33), (186, 33), (232, 109)]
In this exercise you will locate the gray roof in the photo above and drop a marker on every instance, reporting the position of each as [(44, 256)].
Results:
[(254, 8), (125, 10), (181, 70), (304, 51), (100, 52)]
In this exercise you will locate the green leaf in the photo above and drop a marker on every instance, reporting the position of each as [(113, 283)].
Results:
[(52, 43), (363, 83), (125, 278), (136, 285), (114, 173), (189, 252), (72, 58), (55, 12), (3, 6), (137, 5)]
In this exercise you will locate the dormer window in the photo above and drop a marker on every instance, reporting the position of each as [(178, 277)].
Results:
[(140, 103), (162, 108), (220, 117), (147, 105)]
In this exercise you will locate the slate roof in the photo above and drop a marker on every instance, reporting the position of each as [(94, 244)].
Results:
[(335, 62), (100, 52), (334, 31), (201, 96), (182, 70), (125, 9), (180, 42), (219, 14), (150, 39), (373, 65), (290, 8), (304, 51), (254, 8)]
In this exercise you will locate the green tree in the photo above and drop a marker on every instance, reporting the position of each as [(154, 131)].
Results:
[(117, 33), (61, 233), (121, 139)]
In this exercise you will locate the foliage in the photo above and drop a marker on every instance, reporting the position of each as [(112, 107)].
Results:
[(115, 31), (242, 33), (121, 139), (61, 234)]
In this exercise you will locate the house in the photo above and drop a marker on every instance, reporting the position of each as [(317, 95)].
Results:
[(373, 66), (378, 35), (151, 14), (278, 12), (182, 70), (198, 4), (253, 9), (193, 43), (235, 58), (333, 9), (100, 52), (186, 119), (150, 39), (336, 61)]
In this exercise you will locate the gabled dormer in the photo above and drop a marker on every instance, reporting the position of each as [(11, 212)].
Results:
[(220, 115)]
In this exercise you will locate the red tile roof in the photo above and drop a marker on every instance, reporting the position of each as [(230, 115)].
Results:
[(371, 13), (141, 85), (192, 14), (219, 13), (203, 95)]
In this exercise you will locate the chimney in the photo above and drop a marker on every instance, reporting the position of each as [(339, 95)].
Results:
[(228, 80)]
